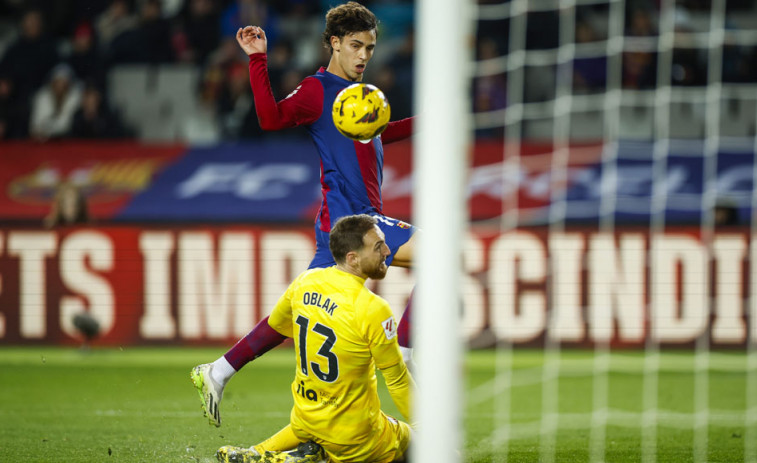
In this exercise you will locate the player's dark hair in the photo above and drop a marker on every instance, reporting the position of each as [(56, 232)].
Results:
[(347, 235), (345, 19)]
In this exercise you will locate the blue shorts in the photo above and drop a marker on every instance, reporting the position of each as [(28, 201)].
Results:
[(396, 234)]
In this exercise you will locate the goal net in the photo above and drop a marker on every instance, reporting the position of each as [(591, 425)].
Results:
[(621, 282)]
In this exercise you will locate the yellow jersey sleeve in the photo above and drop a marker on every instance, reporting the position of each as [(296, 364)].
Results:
[(381, 333), (281, 317), (401, 387)]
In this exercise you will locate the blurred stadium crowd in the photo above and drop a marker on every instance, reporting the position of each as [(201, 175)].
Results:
[(171, 69), (58, 59)]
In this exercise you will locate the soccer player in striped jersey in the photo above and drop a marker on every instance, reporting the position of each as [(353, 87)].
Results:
[(351, 171), (342, 331)]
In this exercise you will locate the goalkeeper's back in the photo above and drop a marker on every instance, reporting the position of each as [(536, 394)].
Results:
[(342, 331)]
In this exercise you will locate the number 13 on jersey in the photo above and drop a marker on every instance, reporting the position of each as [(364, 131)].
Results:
[(328, 339)]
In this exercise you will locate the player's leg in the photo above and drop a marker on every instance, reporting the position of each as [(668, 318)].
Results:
[(282, 447), (404, 436), (279, 442), (403, 329), (388, 443), (210, 379), (403, 257), (397, 437)]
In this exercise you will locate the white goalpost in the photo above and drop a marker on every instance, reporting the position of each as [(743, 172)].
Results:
[(440, 165)]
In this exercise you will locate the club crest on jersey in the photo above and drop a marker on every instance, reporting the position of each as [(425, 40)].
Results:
[(403, 225), (390, 327)]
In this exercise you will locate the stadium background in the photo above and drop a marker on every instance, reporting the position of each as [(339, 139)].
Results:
[(193, 236), (186, 163)]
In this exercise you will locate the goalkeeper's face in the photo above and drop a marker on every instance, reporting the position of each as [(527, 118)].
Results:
[(373, 254)]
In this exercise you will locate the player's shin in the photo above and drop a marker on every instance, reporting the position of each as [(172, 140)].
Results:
[(403, 335), (257, 342), (210, 378), (403, 329)]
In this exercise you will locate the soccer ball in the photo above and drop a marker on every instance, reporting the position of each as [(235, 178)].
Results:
[(361, 112)]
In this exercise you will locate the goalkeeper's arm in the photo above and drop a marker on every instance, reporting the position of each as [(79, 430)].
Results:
[(401, 387)]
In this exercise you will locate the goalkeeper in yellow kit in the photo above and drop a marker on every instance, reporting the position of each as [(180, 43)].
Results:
[(342, 331)]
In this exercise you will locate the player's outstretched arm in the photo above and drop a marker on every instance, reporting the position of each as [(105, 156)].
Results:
[(252, 39), (398, 130)]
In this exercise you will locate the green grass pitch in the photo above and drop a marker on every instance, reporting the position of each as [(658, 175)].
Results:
[(137, 404)]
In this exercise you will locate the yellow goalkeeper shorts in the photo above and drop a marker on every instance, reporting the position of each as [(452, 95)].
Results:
[(388, 444)]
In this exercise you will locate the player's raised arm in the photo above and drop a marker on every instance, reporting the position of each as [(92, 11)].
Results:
[(252, 40), (303, 106)]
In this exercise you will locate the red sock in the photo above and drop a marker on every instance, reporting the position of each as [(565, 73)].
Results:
[(403, 330), (257, 342)]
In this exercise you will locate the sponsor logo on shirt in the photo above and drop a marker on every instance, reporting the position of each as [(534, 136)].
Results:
[(309, 394), (390, 327)]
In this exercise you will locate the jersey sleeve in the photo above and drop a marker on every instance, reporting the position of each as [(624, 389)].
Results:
[(302, 107), (381, 333), (397, 130), (381, 330), (281, 316), (401, 387)]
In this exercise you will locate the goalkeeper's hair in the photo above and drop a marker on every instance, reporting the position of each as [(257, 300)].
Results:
[(347, 235), (345, 19)]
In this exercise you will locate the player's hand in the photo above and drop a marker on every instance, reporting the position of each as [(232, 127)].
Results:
[(252, 39)]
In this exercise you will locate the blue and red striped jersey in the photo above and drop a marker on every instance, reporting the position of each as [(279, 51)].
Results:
[(351, 171)]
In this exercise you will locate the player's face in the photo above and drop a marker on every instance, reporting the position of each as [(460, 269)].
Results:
[(352, 53), (373, 254)]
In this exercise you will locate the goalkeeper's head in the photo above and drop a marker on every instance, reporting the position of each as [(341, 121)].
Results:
[(358, 246)]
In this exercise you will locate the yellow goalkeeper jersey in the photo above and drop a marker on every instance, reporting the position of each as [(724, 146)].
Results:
[(342, 331)]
